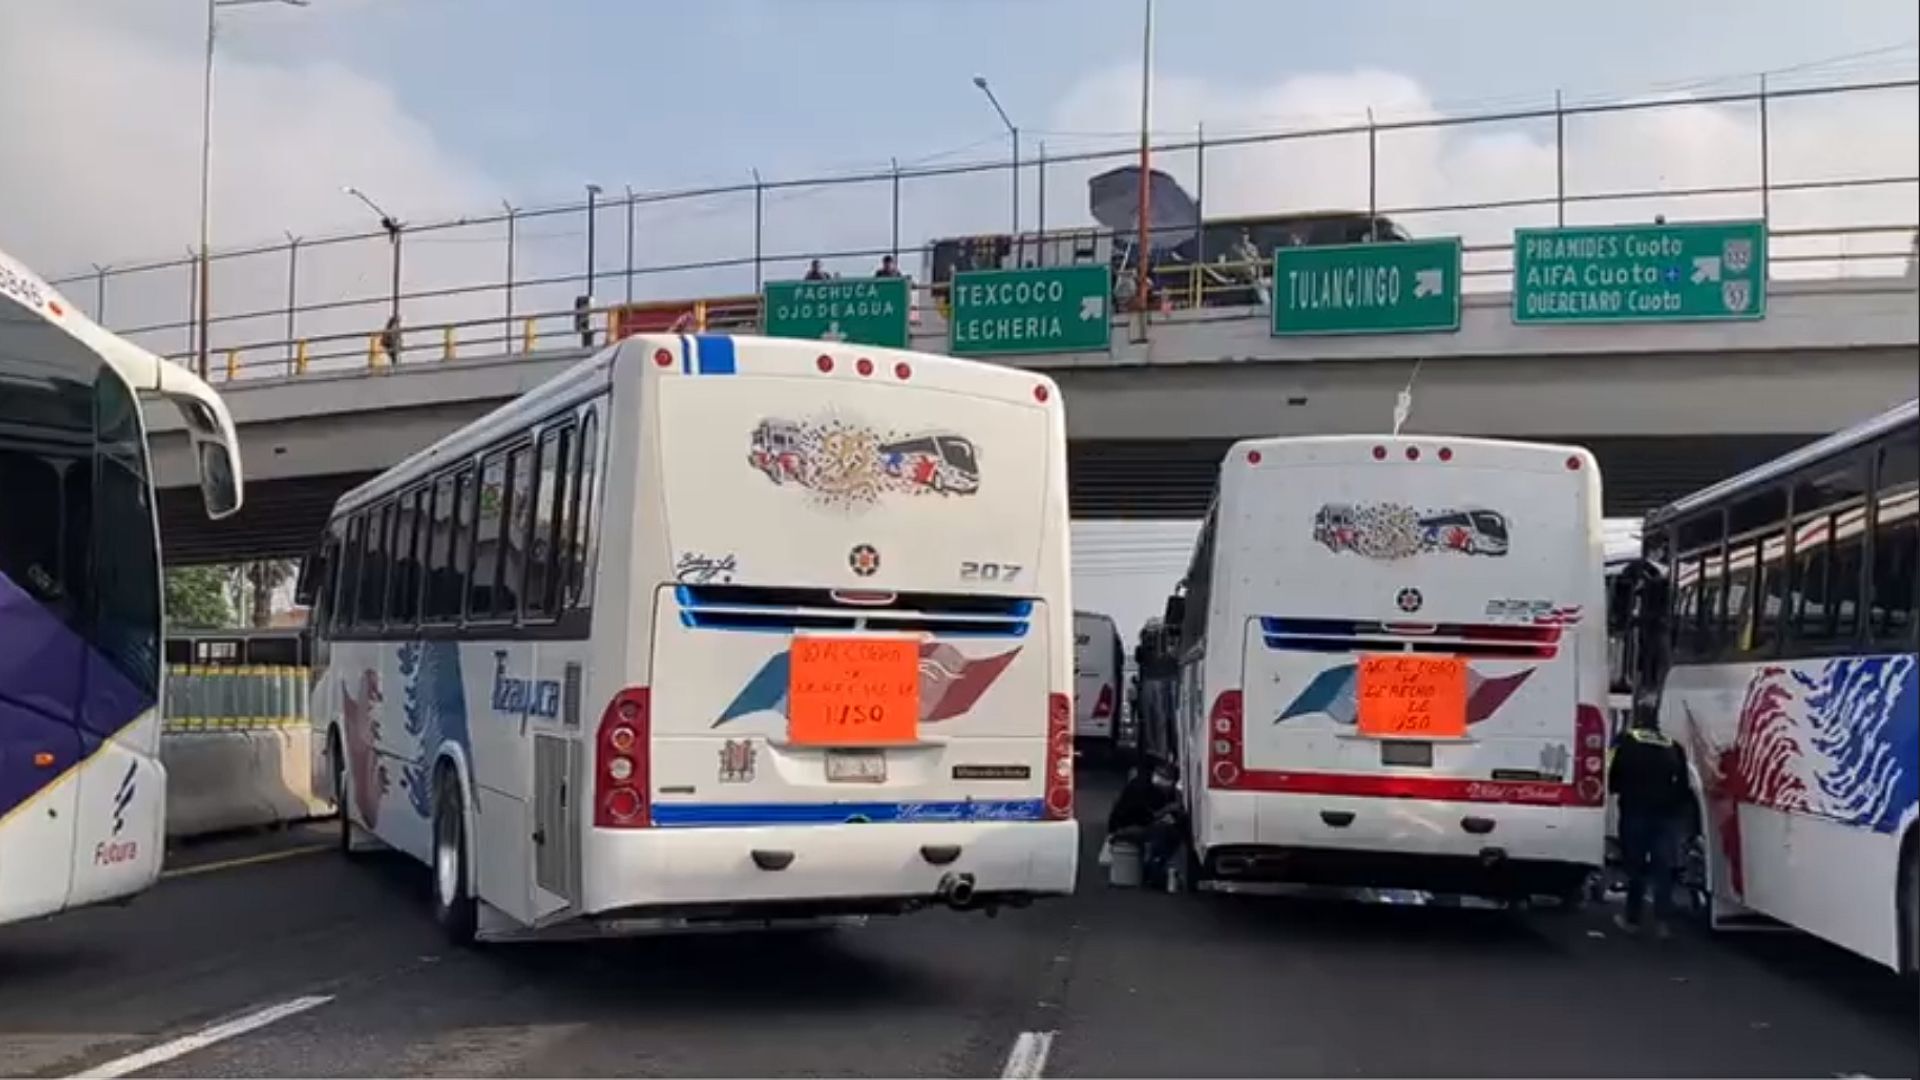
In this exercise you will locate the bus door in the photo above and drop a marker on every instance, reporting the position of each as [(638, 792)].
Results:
[(40, 681), (553, 683)]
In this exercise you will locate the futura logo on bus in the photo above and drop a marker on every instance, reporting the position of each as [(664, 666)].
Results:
[(523, 697)]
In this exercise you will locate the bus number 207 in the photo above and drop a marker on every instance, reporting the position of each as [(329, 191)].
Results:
[(989, 571)]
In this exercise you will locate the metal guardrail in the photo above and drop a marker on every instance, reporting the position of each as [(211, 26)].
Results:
[(340, 330), (250, 698)]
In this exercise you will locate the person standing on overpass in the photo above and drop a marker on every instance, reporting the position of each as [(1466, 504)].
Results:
[(1648, 775)]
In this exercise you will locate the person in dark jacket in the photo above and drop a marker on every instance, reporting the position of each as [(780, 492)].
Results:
[(1648, 777), (1147, 814)]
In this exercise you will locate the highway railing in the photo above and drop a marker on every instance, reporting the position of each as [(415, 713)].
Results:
[(306, 304), (249, 698)]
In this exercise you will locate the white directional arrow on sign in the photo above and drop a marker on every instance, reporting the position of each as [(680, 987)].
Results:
[(834, 333), (1093, 307), (1431, 282), (1706, 268)]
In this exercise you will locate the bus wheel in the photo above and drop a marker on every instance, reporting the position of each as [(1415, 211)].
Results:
[(341, 798), (453, 907)]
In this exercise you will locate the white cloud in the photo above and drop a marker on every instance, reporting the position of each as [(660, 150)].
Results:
[(101, 160)]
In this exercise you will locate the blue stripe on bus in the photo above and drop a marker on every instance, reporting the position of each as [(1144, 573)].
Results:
[(716, 354), (686, 355), (712, 815)]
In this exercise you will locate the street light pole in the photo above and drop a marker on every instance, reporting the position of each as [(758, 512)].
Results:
[(392, 225), (206, 199), (1013, 130), (206, 172), (1146, 167), (593, 194)]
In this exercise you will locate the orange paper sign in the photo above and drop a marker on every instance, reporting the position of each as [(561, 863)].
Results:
[(853, 691), (1411, 696)]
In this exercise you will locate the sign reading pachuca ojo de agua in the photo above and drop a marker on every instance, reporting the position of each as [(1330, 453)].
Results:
[(864, 311)]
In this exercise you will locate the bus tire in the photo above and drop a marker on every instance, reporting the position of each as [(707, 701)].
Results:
[(342, 799), (453, 905)]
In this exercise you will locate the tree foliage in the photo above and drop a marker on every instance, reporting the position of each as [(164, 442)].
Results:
[(197, 598)]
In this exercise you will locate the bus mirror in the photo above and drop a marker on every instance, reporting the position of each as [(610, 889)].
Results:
[(1176, 613), (216, 449), (219, 479)]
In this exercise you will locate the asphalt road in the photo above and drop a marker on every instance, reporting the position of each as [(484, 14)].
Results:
[(1130, 983)]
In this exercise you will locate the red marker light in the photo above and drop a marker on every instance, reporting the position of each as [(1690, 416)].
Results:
[(1379, 453), (1446, 453), (1573, 462), (662, 358), (54, 306), (863, 365), (1413, 453), (1253, 457), (825, 363), (1040, 393), (902, 370)]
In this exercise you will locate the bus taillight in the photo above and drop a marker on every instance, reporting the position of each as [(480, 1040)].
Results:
[(1059, 757), (1590, 756), (1223, 741), (1103, 706), (621, 773)]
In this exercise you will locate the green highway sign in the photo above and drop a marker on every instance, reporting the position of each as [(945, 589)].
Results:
[(1383, 288), (1641, 273), (864, 311), (1047, 310)]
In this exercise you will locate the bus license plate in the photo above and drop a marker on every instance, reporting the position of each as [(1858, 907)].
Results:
[(857, 766)]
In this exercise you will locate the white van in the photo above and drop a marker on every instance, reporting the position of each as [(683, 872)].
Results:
[(1098, 668)]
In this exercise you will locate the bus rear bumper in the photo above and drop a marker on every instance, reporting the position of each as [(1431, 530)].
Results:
[(812, 871), (1496, 849)]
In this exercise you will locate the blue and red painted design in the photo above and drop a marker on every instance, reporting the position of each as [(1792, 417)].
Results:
[(59, 696), (1838, 739), (1335, 693), (950, 683), (434, 708)]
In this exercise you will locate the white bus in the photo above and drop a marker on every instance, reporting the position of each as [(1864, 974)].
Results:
[(1098, 667), (712, 631), (82, 790), (1393, 667), (1790, 680)]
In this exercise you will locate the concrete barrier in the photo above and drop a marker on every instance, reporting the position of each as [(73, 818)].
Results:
[(219, 780)]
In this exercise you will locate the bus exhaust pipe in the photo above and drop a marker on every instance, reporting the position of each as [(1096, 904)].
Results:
[(955, 890)]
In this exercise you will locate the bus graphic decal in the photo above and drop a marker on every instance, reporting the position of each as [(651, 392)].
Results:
[(950, 683), (369, 780), (1834, 738), (847, 464), (1388, 531), (1334, 692), (435, 708)]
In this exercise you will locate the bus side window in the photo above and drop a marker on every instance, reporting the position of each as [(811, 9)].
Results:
[(349, 579), (489, 525), (543, 552), (373, 571), (403, 604), (513, 545), (444, 588), (580, 551), (1896, 545)]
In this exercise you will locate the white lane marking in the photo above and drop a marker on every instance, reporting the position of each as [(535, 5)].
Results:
[(200, 1040), (1029, 1055)]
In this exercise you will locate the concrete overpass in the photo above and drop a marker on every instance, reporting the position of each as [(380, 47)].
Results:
[(1668, 408)]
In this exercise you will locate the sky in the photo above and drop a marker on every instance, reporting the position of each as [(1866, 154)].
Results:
[(442, 109)]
